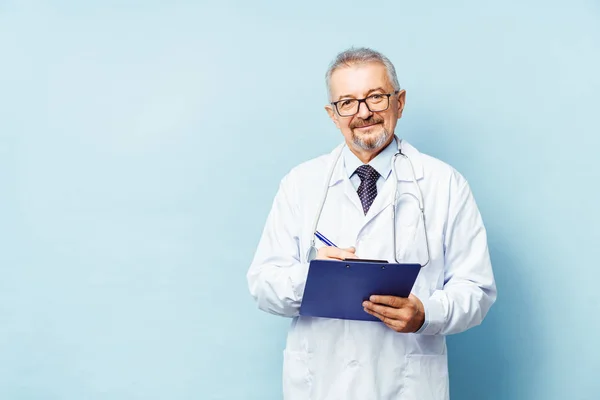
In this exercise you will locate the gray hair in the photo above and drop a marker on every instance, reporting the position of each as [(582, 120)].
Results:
[(361, 55)]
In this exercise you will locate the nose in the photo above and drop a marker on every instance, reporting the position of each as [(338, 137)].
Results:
[(363, 110)]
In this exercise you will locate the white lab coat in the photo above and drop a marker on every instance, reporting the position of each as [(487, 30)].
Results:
[(330, 359)]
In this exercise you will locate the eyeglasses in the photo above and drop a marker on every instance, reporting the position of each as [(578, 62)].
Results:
[(375, 103)]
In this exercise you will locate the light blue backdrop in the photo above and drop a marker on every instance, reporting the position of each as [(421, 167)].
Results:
[(141, 144)]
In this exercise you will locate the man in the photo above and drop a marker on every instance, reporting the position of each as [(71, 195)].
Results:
[(404, 356)]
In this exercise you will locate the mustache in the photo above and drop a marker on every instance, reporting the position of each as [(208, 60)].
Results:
[(359, 123)]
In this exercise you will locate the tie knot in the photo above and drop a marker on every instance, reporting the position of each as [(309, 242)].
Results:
[(367, 172)]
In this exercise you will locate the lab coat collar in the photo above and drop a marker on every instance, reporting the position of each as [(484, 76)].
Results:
[(402, 168)]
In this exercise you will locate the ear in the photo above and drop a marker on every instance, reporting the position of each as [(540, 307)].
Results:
[(401, 101), (332, 115)]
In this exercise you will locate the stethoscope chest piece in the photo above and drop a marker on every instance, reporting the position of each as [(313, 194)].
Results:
[(312, 253)]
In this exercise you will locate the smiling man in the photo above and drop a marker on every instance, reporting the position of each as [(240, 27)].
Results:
[(403, 356)]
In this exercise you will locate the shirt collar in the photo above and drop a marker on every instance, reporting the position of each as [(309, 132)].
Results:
[(404, 172), (382, 163)]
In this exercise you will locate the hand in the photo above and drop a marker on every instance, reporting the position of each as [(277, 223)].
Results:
[(335, 253), (399, 313)]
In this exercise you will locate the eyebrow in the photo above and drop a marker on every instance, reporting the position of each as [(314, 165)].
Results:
[(368, 93)]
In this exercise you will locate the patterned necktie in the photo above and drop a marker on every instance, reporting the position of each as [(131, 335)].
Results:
[(367, 190)]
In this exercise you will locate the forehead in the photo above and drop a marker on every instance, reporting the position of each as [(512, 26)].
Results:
[(358, 79)]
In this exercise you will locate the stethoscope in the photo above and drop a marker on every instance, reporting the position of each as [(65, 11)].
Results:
[(312, 251)]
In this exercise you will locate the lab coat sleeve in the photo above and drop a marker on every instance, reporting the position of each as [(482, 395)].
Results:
[(276, 277), (469, 286)]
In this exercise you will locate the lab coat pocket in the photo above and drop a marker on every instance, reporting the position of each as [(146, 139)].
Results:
[(411, 243), (297, 377), (404, 242), (426, 377), (407, 221)]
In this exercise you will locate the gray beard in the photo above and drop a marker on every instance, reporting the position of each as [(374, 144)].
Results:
[(371, 144)]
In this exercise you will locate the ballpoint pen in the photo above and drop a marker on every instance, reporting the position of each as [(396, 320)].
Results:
[(323, 239)]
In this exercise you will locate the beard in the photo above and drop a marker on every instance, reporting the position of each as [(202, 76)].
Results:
[(368, 141)]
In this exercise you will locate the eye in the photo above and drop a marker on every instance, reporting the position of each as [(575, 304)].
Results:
[(376, 97)]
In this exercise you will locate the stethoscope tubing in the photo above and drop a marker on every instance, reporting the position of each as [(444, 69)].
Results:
[(312, 252)]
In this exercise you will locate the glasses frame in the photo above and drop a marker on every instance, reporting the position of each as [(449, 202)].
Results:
[(364, 100)]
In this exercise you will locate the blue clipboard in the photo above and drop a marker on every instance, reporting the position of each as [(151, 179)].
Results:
[(336, 289)]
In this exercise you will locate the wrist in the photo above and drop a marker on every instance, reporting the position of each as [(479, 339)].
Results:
[(419, 317)]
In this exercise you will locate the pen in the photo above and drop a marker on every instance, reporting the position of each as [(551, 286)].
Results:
[(324, 239)]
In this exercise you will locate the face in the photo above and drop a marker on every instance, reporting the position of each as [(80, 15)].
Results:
[(366, 131)]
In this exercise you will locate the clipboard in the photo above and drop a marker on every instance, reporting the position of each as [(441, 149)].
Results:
[(336, 289)]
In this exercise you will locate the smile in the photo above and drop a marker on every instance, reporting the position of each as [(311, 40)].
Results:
[(367, 127)]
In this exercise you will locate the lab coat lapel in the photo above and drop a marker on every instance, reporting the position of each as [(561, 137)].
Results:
[(342, 212), (351, 194), (340, 177)]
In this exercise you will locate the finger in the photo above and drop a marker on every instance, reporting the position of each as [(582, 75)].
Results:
[(349, 252), (404, 314), (389, 312), (337, 253), (390, 322), (392, 301)]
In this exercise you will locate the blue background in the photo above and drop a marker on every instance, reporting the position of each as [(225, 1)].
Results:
[(142, 142)]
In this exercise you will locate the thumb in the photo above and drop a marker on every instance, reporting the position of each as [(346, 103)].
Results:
[(351, 249)]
